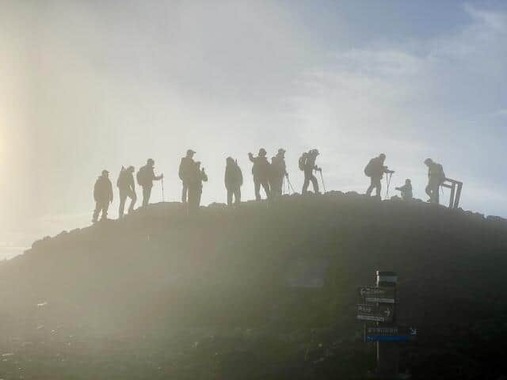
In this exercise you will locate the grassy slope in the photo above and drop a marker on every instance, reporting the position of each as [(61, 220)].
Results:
[(160, 294)]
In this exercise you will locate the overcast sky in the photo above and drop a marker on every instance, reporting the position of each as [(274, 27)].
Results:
[(97, 84)]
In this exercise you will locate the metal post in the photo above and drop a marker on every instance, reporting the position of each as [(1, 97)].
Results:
[(387, 352), (458, 195), (453, 191)]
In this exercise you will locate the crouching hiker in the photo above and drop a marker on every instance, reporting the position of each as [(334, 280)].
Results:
[(195, 179), (406, 190), (233, 181), (103, 195)]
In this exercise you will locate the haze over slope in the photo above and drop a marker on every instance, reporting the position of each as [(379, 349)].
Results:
[(267, 289)]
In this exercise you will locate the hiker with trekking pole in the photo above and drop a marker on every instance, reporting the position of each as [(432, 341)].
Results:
[(375, 169), (308, 166)]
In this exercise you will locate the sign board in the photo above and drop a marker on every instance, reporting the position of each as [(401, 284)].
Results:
[(375, 313), (378, 295), (390, 334)]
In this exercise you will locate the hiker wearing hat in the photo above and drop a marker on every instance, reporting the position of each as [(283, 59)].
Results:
[(375, 169), (145, 177), (260, 171), (103, 196), (436, 178), (308, 166), (233, 181), (278, 173), (187, 164), (127, 187)]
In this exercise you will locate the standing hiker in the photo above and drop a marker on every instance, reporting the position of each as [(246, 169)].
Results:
[(145, 177), (127, 188), (406, 190), (307, 165), (233, 181), (103, 196), (436, 178), (278, 173), (375, 169), (187, 164), (260, 171), (195, 180)]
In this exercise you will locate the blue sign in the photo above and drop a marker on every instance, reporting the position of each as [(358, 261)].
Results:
[(391, 338)]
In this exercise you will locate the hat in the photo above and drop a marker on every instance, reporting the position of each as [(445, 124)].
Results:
[(105, 172), (190, 151), (281, 150)]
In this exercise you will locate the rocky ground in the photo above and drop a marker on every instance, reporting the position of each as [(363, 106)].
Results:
[(263, 291)]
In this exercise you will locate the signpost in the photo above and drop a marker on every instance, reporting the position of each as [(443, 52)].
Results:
[(379, 305)]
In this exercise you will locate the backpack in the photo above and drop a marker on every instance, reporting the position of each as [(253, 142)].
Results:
[(302, 161), (368, 169), (439, 173), (122, 177), (141, 176)]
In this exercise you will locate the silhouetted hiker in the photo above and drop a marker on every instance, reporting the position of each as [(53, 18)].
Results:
[(375, 170), (195, 179), (278, 173), (145, 177), (127, 188), (436, 178), (103, 195), (233, 181), (406, 190), (260, 171), (307, 165), (186, 166)]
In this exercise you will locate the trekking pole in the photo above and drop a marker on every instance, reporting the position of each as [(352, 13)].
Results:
[(163, 195), (322, 180), (290, 185), (388, 179)]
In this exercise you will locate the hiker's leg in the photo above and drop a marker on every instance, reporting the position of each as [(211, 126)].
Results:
[(237, 195), (265, 186), (257, 185), (123, 198), (133, 201), (105, 208), (306, 183), (378, 187), (96, 212), (315, 184), (229, 197), (146, 195), (184, 192)]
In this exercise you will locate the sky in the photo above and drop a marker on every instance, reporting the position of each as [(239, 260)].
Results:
[(93, 85)]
